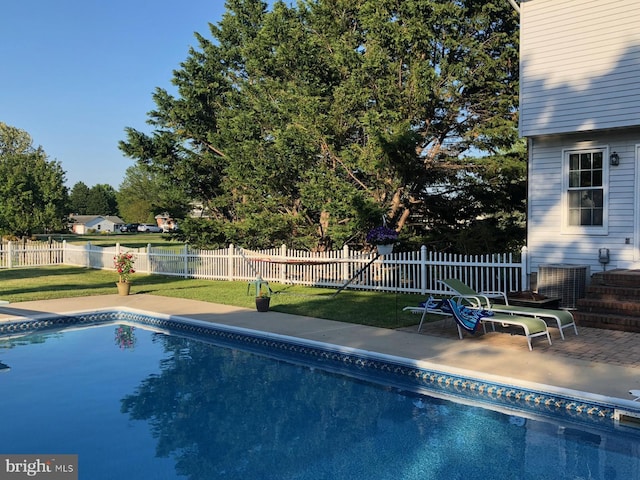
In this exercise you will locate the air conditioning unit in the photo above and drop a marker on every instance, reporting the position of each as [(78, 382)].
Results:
[(568, 282)]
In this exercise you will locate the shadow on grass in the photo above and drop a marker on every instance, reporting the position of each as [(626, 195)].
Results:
[(59, 281), (30, 273), (378, 309)]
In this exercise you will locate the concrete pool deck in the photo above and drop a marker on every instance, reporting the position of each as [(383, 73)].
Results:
[(597, 362)]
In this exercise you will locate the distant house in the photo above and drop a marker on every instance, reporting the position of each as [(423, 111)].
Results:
[(580, 114), (198, 210), (166, 222), (84, 224)]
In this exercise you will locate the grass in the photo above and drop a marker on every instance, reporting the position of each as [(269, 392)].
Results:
[(132, 240), (379, 309)]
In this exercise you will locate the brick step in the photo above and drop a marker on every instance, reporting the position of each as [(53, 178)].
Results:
[(619, 277), (607, 321), (612, 301), (611, 292), (615, 306)]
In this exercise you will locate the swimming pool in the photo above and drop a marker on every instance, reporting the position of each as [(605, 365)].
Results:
[(154, 398)]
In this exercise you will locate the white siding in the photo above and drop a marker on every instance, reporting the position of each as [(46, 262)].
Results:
[(546, 241), (579, 65)]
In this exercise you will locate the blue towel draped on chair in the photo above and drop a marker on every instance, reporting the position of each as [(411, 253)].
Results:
[(467, 318)]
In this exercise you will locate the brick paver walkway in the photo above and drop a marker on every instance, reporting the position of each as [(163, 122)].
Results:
[(591, 344)]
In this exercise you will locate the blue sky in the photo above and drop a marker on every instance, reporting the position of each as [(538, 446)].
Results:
[(75, 73)]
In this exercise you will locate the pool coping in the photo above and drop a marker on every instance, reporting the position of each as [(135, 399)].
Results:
[(431, 378)]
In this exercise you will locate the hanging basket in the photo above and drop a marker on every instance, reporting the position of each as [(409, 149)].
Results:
[(123, 288), (385, 249)]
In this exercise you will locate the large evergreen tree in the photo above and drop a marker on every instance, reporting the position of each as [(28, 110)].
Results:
[(79, 198), (311, 124), (102, 200)]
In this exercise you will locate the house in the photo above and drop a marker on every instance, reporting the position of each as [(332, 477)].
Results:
[(580, 114), (166, 222), (84, 224)]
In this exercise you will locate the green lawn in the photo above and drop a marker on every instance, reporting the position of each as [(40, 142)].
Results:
[(133, 240), (367, 308)]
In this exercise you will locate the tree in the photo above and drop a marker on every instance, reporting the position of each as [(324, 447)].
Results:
[(33, 197), (79, 198), (311, 124), (14, 141), (145, 193), (484, 207), (102, 200)]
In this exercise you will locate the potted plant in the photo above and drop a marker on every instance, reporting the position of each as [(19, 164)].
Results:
[(262, 301), (123, 263), (383, 238), (263, 297)]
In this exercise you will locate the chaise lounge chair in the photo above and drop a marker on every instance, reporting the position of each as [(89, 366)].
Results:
[(469, 319), (561, 318)]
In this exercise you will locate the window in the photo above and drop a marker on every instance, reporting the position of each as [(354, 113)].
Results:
[(585, 206)]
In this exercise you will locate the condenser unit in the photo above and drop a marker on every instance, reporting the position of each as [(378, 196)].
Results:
[(564, 281)]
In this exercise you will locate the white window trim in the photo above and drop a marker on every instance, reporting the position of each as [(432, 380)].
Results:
[(567, 229)]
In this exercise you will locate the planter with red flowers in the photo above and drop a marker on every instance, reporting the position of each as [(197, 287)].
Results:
[(123, 263)]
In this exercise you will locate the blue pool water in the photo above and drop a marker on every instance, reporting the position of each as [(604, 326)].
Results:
[(138, 404)]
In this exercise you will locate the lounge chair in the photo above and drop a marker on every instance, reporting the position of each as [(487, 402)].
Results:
[(430, 305), (561, 318), (436, 307), (470, 318)]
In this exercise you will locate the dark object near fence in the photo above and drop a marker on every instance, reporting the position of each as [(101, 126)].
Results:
[(532, 299)]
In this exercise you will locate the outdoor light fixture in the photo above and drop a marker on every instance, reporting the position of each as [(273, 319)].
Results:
[(614, 159)]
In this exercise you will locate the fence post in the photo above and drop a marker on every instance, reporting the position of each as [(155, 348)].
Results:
[(87, 256), (524, 269), (423, 269), (230, 262), (9, 255), (283, 265), (345, 265), (186, 260), (117, 252), (149, 255)]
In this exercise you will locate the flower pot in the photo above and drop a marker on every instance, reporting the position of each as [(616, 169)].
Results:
[(385, 249), (262, 304), (123, 288)]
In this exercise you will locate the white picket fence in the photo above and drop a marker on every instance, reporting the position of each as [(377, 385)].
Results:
[(30, 254), (411, 272)]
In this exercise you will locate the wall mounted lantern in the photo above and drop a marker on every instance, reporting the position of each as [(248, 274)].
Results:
[(614, 159)]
